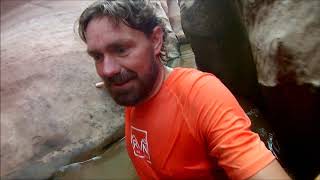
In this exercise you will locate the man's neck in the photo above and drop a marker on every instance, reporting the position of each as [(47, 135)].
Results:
[(163, 74)]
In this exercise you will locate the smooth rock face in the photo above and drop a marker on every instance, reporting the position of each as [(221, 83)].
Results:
[(51, 112), (220, 43), (285, 40)]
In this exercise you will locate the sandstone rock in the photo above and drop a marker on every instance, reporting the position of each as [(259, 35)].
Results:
[(220, 43), (285, 40), (51, 112)]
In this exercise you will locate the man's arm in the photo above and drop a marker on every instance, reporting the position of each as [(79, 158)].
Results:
[(226, 129), (271, 171)]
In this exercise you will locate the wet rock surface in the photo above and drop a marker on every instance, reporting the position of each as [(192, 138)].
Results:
[(220, 43), (285, 41), (285, 38), (51, 112)]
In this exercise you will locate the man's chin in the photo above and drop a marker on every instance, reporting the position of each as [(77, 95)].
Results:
[(126, 102)]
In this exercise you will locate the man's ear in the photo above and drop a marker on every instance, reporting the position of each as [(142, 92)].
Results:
[(157, 39)]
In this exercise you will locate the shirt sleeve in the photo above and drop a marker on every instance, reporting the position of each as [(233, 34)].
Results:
[(225, 128)]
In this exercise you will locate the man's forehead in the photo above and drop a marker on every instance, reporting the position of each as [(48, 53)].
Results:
[(105, 31), (104, 24)]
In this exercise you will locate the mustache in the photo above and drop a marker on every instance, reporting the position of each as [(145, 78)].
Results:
[(121, 77)]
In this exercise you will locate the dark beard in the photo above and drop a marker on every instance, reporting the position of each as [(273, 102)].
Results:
[(142, 87), (122, 77)]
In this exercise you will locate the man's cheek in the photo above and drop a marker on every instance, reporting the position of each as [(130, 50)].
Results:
[(99, 70)]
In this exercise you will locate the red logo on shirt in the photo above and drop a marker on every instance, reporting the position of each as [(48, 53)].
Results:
[(139, 142)]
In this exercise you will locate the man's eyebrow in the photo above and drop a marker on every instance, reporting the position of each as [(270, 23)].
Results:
[(113, 45), (119, 43)]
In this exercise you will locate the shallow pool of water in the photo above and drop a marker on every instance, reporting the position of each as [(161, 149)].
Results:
[(112, 164)]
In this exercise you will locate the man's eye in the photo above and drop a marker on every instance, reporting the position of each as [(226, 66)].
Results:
[(121, 51), (97, 57)]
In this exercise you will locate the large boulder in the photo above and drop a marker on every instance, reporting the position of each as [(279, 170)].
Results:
[(285, 41), (220, 43), (285, 38), (51, 112)]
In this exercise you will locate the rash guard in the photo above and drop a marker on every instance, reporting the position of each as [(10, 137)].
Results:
[(193, 128)]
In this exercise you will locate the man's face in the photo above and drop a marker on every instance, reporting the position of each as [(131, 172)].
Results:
[(125, 59)]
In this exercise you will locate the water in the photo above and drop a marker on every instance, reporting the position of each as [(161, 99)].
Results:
[(112, 164)]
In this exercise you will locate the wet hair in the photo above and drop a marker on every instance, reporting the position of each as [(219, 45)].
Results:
[(137, 14)]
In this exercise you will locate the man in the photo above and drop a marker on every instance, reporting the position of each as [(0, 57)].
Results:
[(180, 123)]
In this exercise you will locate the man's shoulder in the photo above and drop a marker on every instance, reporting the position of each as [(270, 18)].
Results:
[(185, 79), (187, 84), (191, 85), (180, 72)]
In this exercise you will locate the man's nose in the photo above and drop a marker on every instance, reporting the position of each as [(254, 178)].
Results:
[(110, 66)]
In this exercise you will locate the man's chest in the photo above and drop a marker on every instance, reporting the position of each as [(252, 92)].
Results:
[(163, 143)]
